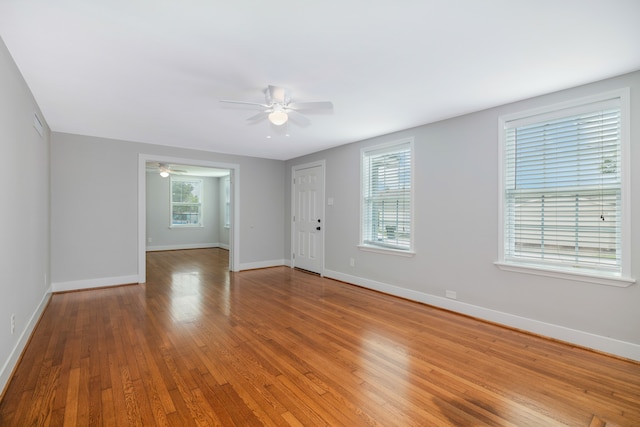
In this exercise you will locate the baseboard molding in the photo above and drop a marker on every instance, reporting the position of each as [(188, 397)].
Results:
[(261, 264), (184, 246), (16, 352), (600, 343), (77, 285)]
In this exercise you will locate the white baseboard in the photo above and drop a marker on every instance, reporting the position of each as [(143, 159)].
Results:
[(261, 264), (16, 352), (77, 285), (184, 246), (584, 339)]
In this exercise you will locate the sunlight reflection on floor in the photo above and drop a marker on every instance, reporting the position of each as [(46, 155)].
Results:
[(186, 298), (390, 356)]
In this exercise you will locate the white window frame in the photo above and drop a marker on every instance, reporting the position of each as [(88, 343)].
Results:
[(227, 201), (622, 278), (384, 247), (200, 223)]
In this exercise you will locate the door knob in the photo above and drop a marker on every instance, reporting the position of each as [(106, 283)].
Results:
[(318, 228)]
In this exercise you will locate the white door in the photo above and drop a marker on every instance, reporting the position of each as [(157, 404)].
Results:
[(308, 218)]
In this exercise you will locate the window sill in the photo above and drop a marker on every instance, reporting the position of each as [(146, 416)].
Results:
[(389, 251), (621, 282)]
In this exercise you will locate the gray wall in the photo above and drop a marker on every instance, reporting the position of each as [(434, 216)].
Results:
[(159, 215), (456, 240), (24, 217), (98, 177)]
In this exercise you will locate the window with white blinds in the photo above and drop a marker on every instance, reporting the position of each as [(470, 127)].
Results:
[(562, 183), (387, 196)]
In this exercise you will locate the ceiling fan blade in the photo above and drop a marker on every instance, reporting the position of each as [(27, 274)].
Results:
[(244, 102), (298, 118), (317, 105), (260, 116), (268, 95)]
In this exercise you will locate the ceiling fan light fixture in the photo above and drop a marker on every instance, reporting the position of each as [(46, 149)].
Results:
[(278, 103), (278, 117), (164, 170)]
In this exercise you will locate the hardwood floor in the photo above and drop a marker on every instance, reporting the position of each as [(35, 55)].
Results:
[(196, 345)]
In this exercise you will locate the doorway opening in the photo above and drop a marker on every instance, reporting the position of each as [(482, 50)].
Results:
[(193, 204)]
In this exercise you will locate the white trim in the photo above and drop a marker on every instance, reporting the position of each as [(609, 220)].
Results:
[(142, 217), (226, 187), (184, 246), (76, 285), (234, 233), (262, 264), (565, 110), (21, 343), (625, 141), (621, 282), (389, 251), (574, 103), (294, 169), (584, 339)]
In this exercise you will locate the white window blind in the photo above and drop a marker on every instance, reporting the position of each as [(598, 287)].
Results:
[(386, 189), (563, 189)]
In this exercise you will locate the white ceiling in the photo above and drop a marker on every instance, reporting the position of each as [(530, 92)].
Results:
[(154, 70)]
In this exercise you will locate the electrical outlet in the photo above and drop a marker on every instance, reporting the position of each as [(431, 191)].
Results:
[(352, 262), (149, 239), (451, 294), (13, 323)]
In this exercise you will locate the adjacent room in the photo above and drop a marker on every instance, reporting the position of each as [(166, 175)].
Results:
[(320, 213)]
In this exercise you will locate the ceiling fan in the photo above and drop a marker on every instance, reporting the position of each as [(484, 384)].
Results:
[(279, 107), (164, 169)]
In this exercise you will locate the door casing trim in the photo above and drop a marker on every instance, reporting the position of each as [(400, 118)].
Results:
[(234, 232)]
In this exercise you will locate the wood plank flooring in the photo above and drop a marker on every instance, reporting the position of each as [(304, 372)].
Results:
[(198, 346)]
